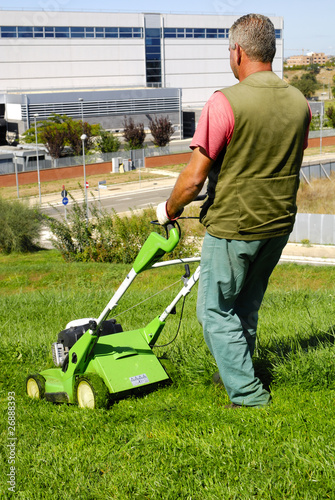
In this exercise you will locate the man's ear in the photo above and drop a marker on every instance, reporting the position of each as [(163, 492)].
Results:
[(238, 53)]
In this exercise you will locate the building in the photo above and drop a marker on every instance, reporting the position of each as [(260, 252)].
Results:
[(311, 58), (103, 65)]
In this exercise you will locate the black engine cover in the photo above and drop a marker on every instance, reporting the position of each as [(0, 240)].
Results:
[(70, 336)]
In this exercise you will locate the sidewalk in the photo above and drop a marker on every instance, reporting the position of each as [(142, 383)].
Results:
[(318, 255)]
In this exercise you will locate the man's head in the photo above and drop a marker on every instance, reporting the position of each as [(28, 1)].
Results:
[(255, 34)]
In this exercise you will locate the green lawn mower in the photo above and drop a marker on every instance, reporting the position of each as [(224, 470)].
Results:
[(96, 361)]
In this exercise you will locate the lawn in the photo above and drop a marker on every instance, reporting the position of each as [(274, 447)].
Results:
[(178, 442)]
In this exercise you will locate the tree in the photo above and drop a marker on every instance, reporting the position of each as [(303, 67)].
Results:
[(330, 113), (161, 130), (133, 134), (74, 130), (108, 143), (59, 131), (307, 84), (314, 68), (53, 136)]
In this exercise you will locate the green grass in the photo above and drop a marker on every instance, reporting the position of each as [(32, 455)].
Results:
[(178, 442)]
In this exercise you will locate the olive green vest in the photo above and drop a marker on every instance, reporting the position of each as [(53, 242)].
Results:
[(253, 184)]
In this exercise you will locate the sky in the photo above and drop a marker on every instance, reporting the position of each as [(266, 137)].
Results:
[(308, 24)]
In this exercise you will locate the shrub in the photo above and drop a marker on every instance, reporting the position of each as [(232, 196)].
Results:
[(330, 113), (133, 134), (108, 237), (108, 143), (161, 130), (20, 226)]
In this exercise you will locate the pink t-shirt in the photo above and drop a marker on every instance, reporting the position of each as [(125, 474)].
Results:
[(216, 126)]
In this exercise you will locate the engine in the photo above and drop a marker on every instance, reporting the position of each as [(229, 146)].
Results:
[(68, 337)]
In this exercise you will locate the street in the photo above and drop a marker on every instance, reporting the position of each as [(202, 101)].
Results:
[(120, 201)]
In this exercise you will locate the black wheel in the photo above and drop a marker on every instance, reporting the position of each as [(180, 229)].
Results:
[(35, 386), (90, 391)]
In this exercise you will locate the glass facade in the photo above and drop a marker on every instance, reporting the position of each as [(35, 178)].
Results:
[(152, 35), (153, 58), (196, 32), (68, 32), (202, 33)]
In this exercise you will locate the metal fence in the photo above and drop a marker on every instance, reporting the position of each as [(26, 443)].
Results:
[(318, 229)]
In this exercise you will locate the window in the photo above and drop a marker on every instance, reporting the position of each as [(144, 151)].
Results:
[(25, 32), (211, 33), (223, 33), (125, 33), (49, 32), (99, 32), (62, 32), (153, 57), (278, 33), (8, 32), (111, 32), (89, 32), (199, 33), (38, 32), (77, 32)]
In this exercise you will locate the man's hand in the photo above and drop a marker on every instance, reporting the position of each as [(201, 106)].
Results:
[(163, 216)]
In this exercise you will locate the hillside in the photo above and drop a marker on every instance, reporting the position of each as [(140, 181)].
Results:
[(325, 78)]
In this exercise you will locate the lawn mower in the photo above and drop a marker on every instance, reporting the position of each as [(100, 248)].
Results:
[(96, 361)]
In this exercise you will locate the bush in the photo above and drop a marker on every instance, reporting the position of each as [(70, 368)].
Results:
[(108, 237), (330, 113), (108, 143), (161, 130), (20, 226), (133, 134)]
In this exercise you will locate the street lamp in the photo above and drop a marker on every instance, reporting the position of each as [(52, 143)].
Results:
[(83, 139), (81, 100), (38, 165), (16, 176)]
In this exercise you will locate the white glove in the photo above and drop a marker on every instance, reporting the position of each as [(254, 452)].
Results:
[(161, 213)]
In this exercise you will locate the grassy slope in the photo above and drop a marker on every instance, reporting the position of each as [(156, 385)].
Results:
[(179, 442)]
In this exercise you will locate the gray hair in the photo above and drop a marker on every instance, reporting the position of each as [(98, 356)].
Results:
[(255, 34)]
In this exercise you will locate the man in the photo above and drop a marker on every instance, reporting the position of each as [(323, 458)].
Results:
[(249, 143)]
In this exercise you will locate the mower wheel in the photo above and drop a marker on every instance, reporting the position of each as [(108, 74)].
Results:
[(35, 386), (90, 391)]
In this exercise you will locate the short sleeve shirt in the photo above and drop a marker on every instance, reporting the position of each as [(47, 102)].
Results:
[(215, 127)]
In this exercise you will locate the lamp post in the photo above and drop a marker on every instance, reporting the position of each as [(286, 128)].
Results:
[(16, 176), (321, 124), (81, 100), (83, 139), (37, 159)]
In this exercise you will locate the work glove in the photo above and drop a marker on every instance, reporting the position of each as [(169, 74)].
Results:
[(162, 215)]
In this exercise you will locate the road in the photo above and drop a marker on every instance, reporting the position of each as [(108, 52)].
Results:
[(119, 201)]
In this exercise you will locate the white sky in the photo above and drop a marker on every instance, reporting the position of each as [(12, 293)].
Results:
[(308, 24)]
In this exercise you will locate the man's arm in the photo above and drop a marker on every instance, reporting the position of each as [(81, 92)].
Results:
[(189, 182)]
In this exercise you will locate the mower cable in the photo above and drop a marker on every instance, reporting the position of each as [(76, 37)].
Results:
[(180, 318), (148, 298)]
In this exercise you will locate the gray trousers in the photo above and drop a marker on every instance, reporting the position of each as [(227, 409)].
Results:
[(233, 279)]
